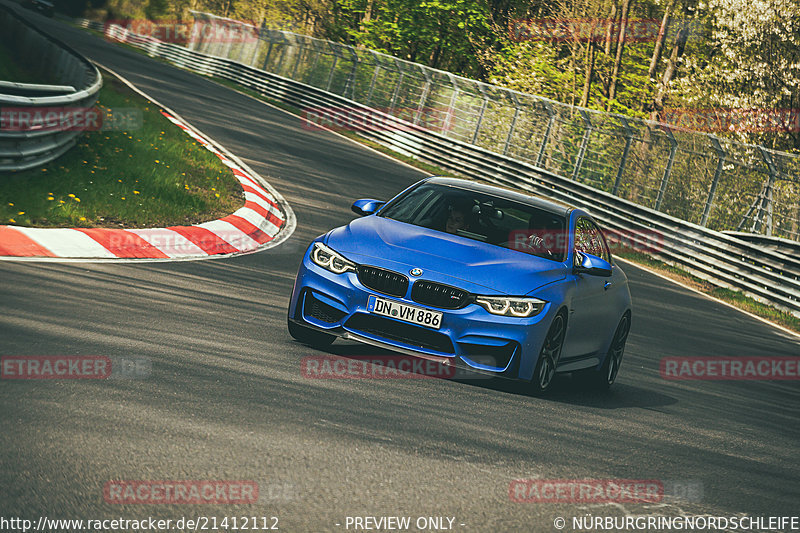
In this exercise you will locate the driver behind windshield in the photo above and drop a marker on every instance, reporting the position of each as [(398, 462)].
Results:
[(459, 215)]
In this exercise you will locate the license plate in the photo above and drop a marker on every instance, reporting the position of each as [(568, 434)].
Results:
[(406, 313)]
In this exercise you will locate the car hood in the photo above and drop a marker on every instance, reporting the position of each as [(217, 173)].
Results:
[(389, 243)]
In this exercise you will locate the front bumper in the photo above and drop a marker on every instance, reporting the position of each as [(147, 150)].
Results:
[(469, 337)]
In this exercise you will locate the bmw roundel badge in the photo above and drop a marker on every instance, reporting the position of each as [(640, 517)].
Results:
[(416, 272)]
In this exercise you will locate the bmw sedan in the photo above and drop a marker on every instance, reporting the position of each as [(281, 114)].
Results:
[(483, 278)]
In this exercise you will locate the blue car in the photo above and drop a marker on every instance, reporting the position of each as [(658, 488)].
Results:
[(471, 275)]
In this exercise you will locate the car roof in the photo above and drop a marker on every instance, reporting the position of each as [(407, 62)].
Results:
[(507, 194)]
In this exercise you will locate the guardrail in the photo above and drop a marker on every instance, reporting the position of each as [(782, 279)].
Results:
[(768, 276), (78, 83)]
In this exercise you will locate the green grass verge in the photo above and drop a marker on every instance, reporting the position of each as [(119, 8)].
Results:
[(152, 176), (734, 298)]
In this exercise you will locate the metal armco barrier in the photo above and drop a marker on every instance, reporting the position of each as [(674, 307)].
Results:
[(78, 83), (766, 275)]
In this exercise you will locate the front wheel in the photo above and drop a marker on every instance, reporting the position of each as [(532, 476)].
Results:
[(548, 358), (310, 336)]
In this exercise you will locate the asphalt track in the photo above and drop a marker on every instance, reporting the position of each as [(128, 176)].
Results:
[(226, 398)]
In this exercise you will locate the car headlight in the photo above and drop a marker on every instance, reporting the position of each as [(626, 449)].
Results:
[(516, 307), (331, 260)]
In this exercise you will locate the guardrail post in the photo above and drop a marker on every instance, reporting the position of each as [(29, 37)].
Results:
[(551, 120), (628, 140), (513, 125), (766, 203), (584, 143), (717, 173), (483, 111), (668, 170)]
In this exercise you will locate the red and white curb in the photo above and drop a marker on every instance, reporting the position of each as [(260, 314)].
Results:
[(249, 229)]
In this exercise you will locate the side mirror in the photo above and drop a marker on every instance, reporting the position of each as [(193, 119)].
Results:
[(592, 265), (366, 207)]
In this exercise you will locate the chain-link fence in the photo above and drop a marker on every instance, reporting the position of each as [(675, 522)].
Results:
[(701, 178)]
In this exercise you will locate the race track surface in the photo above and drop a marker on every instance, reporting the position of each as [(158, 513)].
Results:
[(226, 399)]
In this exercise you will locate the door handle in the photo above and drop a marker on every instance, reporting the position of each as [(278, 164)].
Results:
[(606, 285)]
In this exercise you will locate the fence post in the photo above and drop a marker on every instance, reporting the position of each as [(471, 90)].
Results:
[(513, 125), (552, 113), (317, 53), (584, 143), (628, 140), (668, 170), (333, 66), (301, 50), (766, 202), (717, 173), (425, 92), (352, 74), (483, 111), (451, 109), (374, 76), (269, 52), (256, 47), (393, 102)]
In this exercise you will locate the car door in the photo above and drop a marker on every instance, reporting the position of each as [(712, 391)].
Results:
[(589, 318)]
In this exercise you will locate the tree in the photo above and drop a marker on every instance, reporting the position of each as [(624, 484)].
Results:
[(752, 64)]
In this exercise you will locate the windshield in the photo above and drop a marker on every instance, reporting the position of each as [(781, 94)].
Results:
[(484, 218)]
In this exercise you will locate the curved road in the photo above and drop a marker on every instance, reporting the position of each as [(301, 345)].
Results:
[(226, 398)]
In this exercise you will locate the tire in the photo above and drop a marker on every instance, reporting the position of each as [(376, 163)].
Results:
[(310, 336), (549, 356), (606, 375)]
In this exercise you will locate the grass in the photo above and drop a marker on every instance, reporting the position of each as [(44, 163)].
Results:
[(735, 298), (149, 176)]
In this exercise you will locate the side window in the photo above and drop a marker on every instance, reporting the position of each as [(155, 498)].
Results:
[(589, 239)]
